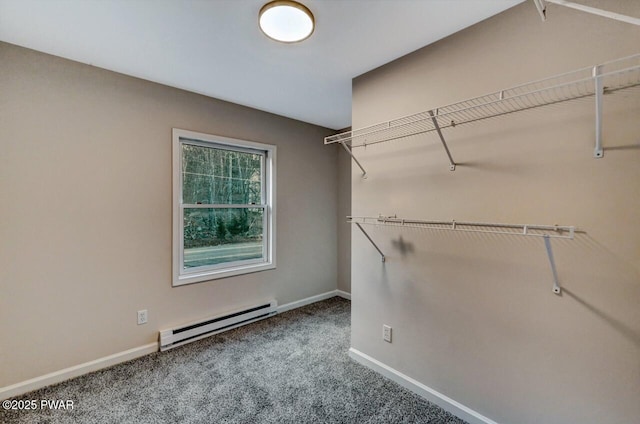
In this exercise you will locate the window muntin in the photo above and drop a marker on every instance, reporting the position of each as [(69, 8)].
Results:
[(223, 207)]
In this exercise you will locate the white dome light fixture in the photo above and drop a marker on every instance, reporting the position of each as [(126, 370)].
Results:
[(286, 21)]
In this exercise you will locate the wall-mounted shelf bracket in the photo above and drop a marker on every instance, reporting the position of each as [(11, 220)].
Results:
[(370, 240), (556, 285), (542, 10), (599, 94), (350, 152), (452, 164)]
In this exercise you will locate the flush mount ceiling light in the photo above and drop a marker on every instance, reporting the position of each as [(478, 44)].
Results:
[(286, 21)]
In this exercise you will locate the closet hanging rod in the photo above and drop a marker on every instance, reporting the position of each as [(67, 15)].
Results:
[(548, 231), (585, 82)]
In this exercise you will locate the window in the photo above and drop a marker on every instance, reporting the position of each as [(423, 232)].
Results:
[(223, 207)]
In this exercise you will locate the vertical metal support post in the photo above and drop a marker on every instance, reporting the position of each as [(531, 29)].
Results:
[(556, 285), (599, 94), (452, 164), (348, 150), (369, 238)]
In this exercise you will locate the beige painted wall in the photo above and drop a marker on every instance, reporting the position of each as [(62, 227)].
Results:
[(85, 216), (473, 315)]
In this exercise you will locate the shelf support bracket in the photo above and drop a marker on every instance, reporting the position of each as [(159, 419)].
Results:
[(542, 9), (599, 94), (452, 164), (540, 4), (556, 286), (370, 240), (350, 152)]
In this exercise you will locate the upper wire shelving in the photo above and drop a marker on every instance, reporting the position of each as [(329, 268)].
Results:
[(596, 81)]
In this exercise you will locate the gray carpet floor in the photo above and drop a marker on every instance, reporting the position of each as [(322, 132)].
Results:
[(292, 368)]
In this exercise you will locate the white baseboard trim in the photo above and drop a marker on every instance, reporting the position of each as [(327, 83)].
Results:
[(343, 294), (23, 387), (313, 299), (433, 396), (307, 301)]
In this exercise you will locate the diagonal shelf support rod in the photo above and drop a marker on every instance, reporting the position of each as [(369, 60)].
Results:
[(370, 240), (348, 150), (452, 164), (556, 285)]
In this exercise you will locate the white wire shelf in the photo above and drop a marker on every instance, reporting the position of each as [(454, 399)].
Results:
[(551, 231), (595, 81), (547, 232)]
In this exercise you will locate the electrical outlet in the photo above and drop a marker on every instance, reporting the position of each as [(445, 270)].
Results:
[(386, 333), (142, 317)]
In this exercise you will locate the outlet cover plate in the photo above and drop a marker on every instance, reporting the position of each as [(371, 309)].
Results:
[(386, 333), (142, 317)]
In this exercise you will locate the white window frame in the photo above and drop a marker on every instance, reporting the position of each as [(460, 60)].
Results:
[(182, 276)]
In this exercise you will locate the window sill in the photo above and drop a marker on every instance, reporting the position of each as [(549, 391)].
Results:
[(182, 280)]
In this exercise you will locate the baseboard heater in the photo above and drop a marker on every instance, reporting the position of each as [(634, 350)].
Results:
[(198, 330)]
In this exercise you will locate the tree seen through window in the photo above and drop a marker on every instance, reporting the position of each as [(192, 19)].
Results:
[(219, 186)]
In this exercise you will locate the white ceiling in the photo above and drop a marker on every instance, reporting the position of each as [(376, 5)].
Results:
[(214, 47)]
